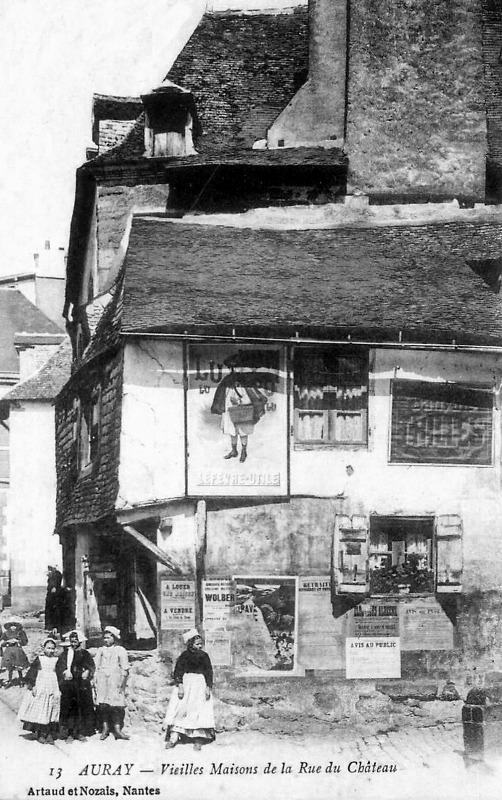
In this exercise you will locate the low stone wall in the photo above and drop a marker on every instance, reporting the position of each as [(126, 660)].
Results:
[(322, 704)]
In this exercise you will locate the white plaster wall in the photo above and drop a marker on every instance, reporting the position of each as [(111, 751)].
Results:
[(153, 450), (32, 497), (152, 445), (178, 536), (381, 488)]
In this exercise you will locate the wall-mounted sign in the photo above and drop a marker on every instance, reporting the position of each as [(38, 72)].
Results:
[(424, 625), (378, 618), (218, 602), (177, 600), (373, 657), (440, 423), (237, 421), (264, 625)]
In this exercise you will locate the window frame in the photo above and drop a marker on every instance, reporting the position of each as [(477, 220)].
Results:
[(5, 448), (89, 429), (429, 521), (329, 444), (445, 554)]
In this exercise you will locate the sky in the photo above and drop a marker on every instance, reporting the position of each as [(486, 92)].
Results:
[(54, 54)]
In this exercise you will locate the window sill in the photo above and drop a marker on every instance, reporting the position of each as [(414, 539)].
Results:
[(400, 595), (330, 446)]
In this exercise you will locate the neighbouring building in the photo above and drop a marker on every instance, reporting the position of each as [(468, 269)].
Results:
[(286, 427), (31, 507), (27, 339), (45, 286)]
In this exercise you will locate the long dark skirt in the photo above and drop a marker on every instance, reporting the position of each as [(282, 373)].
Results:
[(77, 715), (51, 729), (113, 715)]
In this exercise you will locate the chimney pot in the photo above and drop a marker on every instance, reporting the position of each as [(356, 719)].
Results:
[(47, 244)]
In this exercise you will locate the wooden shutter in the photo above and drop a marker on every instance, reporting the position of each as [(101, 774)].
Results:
[(351, 567), (449, 559)]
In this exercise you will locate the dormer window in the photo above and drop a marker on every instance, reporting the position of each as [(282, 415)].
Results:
[(170, 121)]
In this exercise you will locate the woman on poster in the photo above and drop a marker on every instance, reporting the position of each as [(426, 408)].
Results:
[(190, 713), (241, 405), (75, 670), (39, 709), (112, 670)]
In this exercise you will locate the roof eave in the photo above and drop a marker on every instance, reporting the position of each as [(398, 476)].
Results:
[(291, 333)]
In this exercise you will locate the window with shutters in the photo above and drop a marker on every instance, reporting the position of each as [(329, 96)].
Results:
[(330, 396), (90, 428), (441, 423), (449, 564), (351, 562), (398, 555)]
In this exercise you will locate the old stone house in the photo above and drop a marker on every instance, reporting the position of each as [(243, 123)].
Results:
[(286, 427)]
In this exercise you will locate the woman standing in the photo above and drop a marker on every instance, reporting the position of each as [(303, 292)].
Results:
[(75, 669), (39, 709), (13, 656), (190, 713), (112, 670)]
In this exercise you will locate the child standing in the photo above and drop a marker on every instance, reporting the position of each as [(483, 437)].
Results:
[(13, 656), (110, 678), (190, 713), (39, 710)]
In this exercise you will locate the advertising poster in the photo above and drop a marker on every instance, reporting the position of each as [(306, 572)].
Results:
[(218, 603), (264, 625), (373, 657), (178, 605), (376, 619), (237, 414)]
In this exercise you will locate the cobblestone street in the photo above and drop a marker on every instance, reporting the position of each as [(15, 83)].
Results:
[(399, 765)]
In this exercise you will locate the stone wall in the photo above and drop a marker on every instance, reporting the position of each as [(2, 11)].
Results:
[(88, 495), (416, 123), (115, 204), (319, 704)]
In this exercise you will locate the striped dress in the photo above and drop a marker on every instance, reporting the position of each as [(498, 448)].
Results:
[(40, 712)]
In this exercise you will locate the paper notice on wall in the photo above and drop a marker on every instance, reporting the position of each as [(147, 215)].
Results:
[(376, 618), (424, 625), (177, 605), (373, 657), (320, 635), (218, 601), (217, 645)]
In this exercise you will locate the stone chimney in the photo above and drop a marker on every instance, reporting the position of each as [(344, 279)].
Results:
[(416, 121), (316, 114)]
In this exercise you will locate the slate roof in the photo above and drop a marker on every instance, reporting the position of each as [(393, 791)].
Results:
[(243, 69), (380, 282), (112, 107), (19, 315), (48, 381), (105, 336)]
